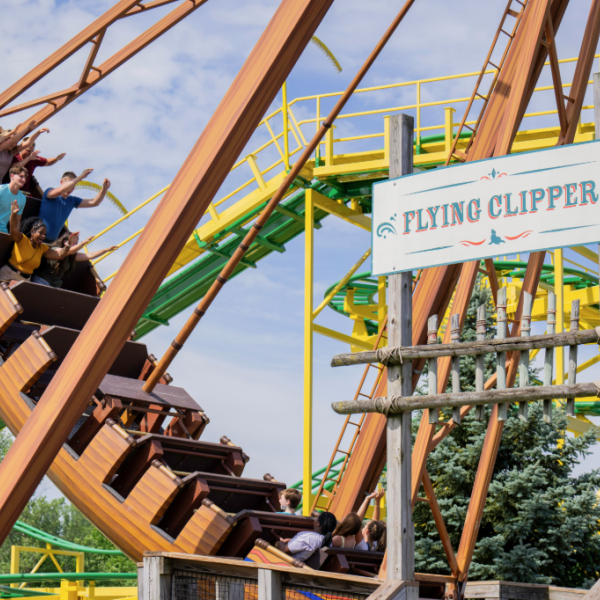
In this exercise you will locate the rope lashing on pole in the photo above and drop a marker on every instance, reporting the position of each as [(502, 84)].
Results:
[(237, 256)]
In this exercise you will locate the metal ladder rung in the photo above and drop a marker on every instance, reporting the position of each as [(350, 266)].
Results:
[(344, 452), (355, 424), (508, 34), (514, 13), (493, 65)]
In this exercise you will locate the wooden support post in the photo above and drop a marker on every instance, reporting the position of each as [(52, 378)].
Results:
[(524, 356), (269, 585), (549, 356), (157, 578), (501, 356), (573, 356), (432, 384), (455, 336), (401, 534), (480, 361)]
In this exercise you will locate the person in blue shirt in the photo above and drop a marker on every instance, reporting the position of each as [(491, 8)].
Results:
[(58, 203), (12, 191)]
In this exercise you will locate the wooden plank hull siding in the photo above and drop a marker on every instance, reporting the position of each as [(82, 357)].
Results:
[(127, 524)]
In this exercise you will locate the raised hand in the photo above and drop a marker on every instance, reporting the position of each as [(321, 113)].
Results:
[(14, 207), (86, 172), (73, 238), (106, 185), (112, 249), (61, 156), (43, 130)]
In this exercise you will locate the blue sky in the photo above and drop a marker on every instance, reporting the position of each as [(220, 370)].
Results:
[(244, 362)]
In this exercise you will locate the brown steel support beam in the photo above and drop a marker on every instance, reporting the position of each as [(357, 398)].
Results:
[(145, 267), (146, 6), (468, 275), (556, 78), (582, 73), (89, 63), (528, 41), (81, 39), (439, 523), (493, 278), (94, 74), (431, 296)]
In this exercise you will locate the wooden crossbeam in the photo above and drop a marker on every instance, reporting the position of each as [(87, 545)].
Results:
[(515, 344), (399, 404)]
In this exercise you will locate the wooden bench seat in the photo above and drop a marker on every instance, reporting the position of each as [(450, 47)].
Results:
[(234, 494), (129, 363), (186, 456), (252, 525), (60, 307), (130, 390)]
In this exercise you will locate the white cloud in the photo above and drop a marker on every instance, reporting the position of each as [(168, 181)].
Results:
[(244, 363)]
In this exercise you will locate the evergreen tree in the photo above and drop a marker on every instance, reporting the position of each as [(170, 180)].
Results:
[(540, 523)]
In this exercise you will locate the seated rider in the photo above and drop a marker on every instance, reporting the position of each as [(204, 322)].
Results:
[(304, 544), (289, 500), (10, 192), (373, 534), (58, 203), (345, 534), (51, 272), (29, 247)]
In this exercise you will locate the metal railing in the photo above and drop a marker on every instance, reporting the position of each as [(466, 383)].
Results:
[(357, 120)]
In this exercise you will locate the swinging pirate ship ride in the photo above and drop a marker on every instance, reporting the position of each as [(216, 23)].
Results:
[(95, 411)]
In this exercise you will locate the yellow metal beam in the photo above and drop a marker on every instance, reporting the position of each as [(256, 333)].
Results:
[(342, 211), (341, 284), (309, 246), (560, 312), (341, 337), (579, 427)]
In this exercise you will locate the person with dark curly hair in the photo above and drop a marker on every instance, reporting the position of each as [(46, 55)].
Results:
[(304, 544), (51, 272), (29, 247)]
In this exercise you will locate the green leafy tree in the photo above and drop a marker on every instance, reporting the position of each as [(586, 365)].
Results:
[(60, 518), (540, 522)]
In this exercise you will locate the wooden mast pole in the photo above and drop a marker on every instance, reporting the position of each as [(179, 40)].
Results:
[(194, 187), (401, 533), (228, 269)]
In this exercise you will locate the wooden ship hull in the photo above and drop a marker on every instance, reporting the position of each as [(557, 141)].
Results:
[(144, 483)]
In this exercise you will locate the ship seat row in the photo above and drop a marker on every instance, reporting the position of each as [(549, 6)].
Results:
[(134, 463)]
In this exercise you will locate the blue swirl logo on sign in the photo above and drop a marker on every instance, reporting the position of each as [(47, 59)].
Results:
[(387, 227)]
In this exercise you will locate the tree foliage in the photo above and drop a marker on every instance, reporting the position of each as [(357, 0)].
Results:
[(60, 518), (540, 522)]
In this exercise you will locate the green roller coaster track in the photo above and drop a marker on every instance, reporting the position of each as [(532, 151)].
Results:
[(188, 285)]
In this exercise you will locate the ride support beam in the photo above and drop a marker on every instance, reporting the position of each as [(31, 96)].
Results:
[(194, 187), (262, 219), (90, 75), (582, 73), (431, 296)]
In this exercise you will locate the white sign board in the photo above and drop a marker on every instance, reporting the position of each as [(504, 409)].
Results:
[(518, 203)]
